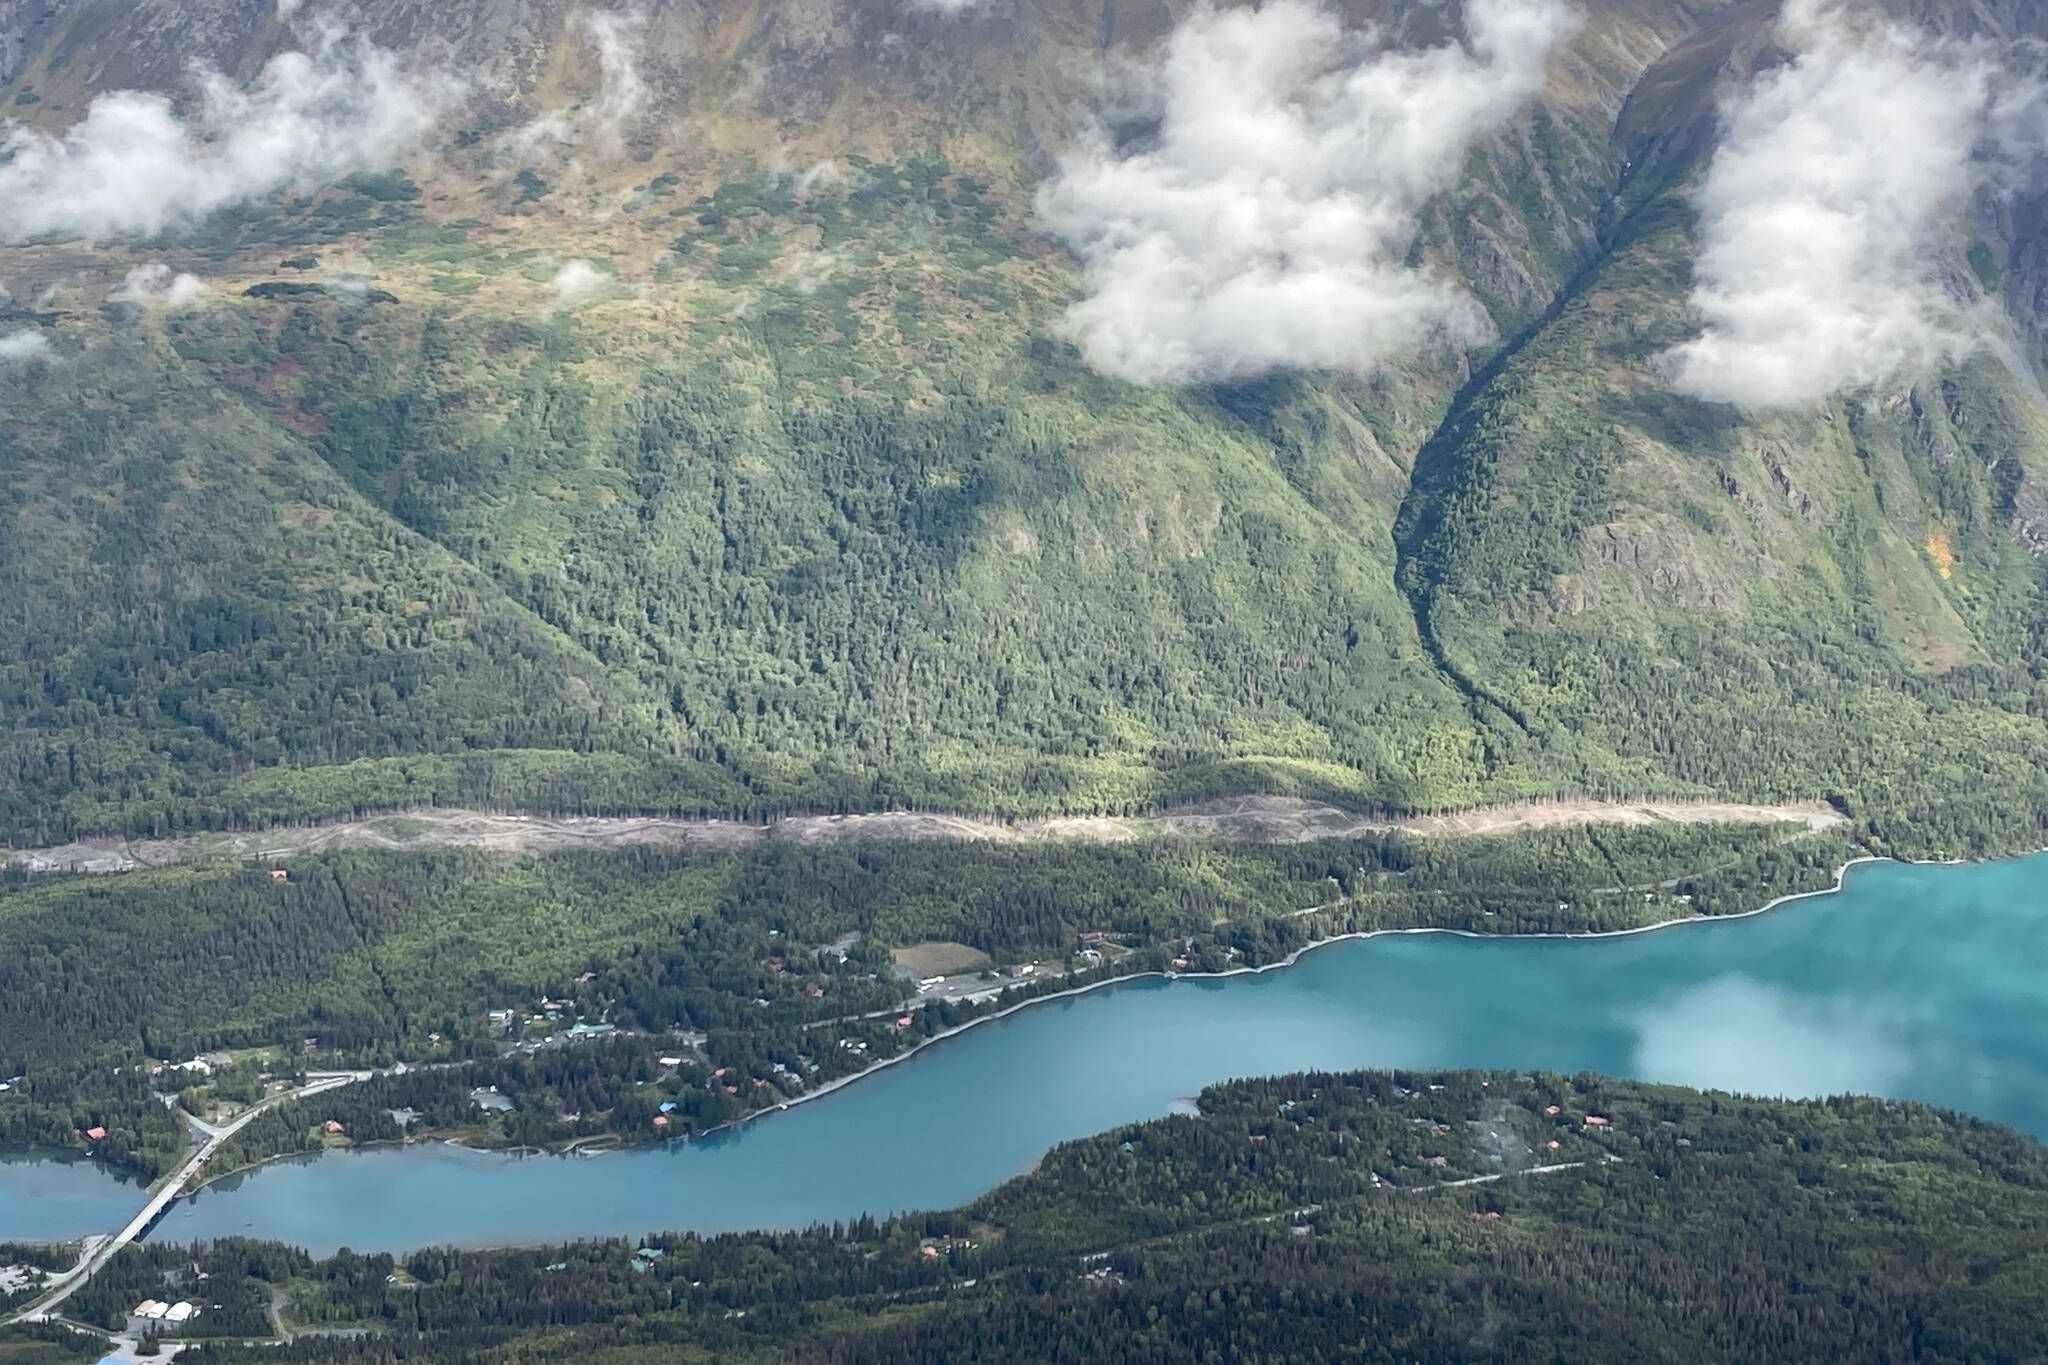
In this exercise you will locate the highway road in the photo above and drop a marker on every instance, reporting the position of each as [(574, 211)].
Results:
[(98, 1252)]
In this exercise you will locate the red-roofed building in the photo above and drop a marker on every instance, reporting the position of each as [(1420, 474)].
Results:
[(278, 874), (661, 1120), (95, 1133), (333, 1126), (1595, 1121)]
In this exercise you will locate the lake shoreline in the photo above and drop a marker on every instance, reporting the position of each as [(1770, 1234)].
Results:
[(1841, 874), (1283, 1024), (841, 1083), (123, 1171), (1835, 889), (1293, 958)]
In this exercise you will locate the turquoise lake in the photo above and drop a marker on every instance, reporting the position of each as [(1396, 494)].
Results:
[(1928, 983)]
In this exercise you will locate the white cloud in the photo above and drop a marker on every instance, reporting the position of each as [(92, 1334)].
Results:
[(810, 270), (1268, 225), (621, 101), (23, 346), (622, 95), (578, 280), (133, 165), (1734, 1033), (821, 173), (541, 138), (1822, 210), (353, 274), (155, 285)]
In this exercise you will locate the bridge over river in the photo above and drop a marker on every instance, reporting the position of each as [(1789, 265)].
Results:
[(97, 1251)]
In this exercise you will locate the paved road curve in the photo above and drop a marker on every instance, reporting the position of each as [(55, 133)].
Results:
[(97, 1254)]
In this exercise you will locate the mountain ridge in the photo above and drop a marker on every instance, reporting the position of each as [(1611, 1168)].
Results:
[(797, 500)]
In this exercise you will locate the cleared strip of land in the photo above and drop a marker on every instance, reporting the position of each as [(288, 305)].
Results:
[(1251, 819)]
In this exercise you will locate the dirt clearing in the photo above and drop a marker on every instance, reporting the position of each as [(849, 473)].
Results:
[(1250, 819), (938, 958)]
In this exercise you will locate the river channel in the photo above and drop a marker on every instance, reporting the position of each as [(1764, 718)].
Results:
[(1923, 982)]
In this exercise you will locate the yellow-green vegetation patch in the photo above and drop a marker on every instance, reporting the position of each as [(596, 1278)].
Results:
[(937, 958)]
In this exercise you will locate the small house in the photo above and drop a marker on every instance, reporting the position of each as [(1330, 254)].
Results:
[(278, 874), (96, 1134), (333, 1126), (153, 1317), (491, 1102)]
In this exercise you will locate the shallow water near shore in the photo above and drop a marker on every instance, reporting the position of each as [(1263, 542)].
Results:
[(62, 1196), (1923, 982)]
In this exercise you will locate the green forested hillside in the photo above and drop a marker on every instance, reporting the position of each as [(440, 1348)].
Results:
[(190, 596), (1661, 586), (739, 464)]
